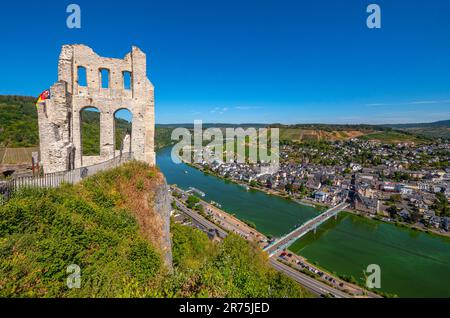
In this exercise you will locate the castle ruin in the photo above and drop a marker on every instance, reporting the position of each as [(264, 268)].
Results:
[(60, 116)]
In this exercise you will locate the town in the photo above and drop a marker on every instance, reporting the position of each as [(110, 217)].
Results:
[(403, 183)]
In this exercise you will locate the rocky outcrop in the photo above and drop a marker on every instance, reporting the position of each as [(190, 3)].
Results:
[(162, 207), (144, 192)]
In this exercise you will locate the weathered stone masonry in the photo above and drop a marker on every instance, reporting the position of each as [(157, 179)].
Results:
[(59, 117)]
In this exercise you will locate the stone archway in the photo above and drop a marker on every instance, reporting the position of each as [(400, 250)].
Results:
[(90, 131), (123, 131)]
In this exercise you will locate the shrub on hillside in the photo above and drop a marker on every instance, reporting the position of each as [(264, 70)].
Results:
[(104, 226)]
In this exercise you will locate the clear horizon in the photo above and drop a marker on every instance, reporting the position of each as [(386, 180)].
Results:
[(299, 123)]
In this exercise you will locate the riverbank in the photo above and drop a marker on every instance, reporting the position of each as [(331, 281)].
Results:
[(261, 189), (301, 264), (321, 206), (413, 263), (232, 224)]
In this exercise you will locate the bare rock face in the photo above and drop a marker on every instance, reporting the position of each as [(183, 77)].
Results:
[(59, 116), (162, 207)]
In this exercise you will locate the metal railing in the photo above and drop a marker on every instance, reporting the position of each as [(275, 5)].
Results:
[(55, 179)]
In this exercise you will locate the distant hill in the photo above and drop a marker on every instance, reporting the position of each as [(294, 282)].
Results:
[(438, 129), (19, 125), (19, 128), (327, 132), (211, 125), (441, 124)]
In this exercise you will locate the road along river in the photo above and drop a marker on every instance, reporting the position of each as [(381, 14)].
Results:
[(413, 264)]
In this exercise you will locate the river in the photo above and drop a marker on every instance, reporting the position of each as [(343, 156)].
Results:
[(413, 264)]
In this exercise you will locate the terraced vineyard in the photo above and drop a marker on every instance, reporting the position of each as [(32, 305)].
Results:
[(10, 156), (300, 134), (394, 137)]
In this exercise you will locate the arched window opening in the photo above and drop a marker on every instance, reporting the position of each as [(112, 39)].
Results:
[(104, 77), (81, 76), (122, 130), (90, 131), (126, 80)]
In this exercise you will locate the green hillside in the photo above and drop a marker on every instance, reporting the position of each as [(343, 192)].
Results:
[(103, 226), (18, 124), (436, 124), (90, 131), (438, 129), (162, 137), (394, 137), (322, 132), (18, 128)]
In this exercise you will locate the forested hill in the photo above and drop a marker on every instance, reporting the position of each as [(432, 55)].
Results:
[(19, 128), (438, 129), (440, 124), (18, 124)]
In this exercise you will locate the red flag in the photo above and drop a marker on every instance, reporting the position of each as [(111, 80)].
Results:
[(43, 96)]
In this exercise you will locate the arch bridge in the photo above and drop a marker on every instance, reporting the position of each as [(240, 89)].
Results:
[(309, 225)]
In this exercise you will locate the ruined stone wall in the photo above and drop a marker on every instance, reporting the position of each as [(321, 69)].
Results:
[(56, 144), (59, 118)]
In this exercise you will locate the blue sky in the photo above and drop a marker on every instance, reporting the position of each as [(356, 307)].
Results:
[(251, 61)]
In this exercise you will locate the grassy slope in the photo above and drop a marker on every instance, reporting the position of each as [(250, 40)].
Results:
[(106, 226)]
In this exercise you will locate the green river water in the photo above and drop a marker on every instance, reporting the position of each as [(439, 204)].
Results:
[(413, 264)]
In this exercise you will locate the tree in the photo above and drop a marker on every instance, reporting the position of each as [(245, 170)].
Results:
[(400, 176), (253, 183), (289, 188), (441, 205), (200, 209), (396, 198), (192, 201), (392, 210)]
